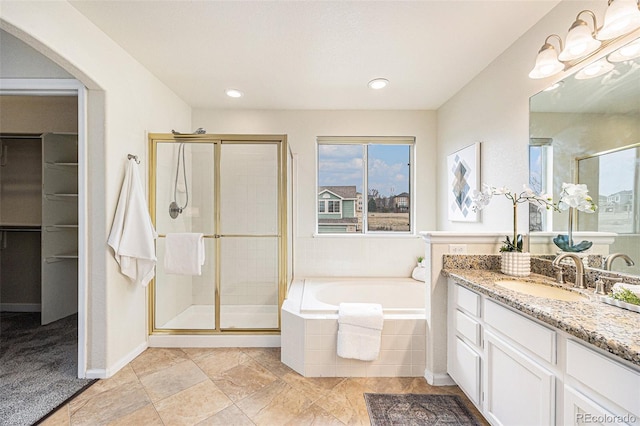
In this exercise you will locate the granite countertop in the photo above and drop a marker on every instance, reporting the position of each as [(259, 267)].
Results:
[(610, 328)]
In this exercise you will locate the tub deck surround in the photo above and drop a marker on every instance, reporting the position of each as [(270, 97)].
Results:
[(612, 329), (310, 327)]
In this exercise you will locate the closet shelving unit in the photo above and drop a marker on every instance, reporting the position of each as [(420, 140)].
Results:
[(39, 194), (59, 224)]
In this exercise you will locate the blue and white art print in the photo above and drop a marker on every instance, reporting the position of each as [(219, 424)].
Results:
[(463, 175)]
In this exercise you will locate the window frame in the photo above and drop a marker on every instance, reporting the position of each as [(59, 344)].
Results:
[(409, 141)]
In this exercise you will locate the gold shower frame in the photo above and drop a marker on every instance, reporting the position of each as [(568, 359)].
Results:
[(282, 234)]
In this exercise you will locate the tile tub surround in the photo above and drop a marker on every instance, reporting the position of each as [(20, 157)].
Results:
[(309, 344), (612, 329)]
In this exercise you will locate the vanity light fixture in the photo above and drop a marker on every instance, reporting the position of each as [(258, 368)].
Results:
[(595, 69), (580, 41), (547, 62), (234, 93), (621, 18), (627, 52), (378, 83)]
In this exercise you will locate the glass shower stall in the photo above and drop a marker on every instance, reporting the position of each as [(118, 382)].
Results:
[(233, 191)]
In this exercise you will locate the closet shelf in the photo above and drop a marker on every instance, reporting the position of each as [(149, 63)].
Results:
[(60, 196), (20, 228), (55, 228), (61, 257)]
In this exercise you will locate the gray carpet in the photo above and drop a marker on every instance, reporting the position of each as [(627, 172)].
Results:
[(38, 366), (417, 410)]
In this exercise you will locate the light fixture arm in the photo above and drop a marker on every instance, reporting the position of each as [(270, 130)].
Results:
[(547, 44), (579, 21)]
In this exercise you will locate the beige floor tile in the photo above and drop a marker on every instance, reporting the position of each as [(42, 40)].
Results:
[(314, 388), (124, 376), (243, 380), (314, 416), (214, 363), (60, 418), (154, 359), (269, 358), (147, 416), (173, 379), (230, 416), (275, 404), (192, 405), (346, 402), (111, 405)]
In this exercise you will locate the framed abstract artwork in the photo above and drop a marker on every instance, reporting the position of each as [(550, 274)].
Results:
[(463, 177)]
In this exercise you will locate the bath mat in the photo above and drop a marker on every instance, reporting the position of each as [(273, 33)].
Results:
[(417, 410)]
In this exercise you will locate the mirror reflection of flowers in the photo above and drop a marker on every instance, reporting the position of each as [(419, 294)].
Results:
[(574, 196), (527, 195)]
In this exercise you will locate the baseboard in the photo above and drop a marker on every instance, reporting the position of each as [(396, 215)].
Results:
[(20, 307), (105, 373), (440, 379)]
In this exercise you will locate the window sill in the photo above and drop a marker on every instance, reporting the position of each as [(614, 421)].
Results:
[(407, 235)]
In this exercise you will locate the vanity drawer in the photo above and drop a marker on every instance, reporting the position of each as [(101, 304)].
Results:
[(467, 327), (537, 338), (604, 376), (467, 300)]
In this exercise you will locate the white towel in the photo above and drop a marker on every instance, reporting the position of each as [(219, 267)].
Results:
[(635, 289), (132, 234), (359, 330), (184, 254)]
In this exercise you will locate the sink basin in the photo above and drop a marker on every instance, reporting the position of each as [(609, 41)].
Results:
[(541, 290)]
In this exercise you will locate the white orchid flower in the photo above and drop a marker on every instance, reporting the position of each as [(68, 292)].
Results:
[(576, 196)]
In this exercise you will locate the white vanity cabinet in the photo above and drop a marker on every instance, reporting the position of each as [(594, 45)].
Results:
[(465, 341), (518, 370), (519, 389)]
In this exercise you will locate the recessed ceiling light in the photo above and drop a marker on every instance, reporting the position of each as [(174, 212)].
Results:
[(378, 83), (234, 93)]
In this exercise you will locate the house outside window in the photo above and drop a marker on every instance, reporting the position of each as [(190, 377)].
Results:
[(364, 185)]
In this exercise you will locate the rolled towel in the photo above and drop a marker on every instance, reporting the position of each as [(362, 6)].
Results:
[(184, 254), (635, 289), (359, 330)]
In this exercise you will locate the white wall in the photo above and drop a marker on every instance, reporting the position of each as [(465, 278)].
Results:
[(342, 255), (494, 109), (125, 102)]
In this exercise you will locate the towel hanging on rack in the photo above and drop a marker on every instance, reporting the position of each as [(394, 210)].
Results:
[(132, 233)]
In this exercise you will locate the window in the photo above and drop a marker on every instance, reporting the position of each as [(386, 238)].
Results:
[(364, 185)]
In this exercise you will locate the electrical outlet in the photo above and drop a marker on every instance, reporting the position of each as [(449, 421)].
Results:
[(457, 248)]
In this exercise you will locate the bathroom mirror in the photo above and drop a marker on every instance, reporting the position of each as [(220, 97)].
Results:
[(587, 130)]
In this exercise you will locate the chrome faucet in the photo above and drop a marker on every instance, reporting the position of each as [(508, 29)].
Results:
[(579, 267), (609, 260)]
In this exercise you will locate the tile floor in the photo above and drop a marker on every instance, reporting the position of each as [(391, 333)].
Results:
[(228, 386)]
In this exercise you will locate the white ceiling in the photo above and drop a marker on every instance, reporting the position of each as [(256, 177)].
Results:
[(315, 54)]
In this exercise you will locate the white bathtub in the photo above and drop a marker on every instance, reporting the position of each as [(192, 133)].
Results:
[(396, 295), (310, 327)]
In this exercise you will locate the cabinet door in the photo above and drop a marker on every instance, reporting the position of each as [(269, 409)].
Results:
[(464, 368), (518, 391), (580, 410)]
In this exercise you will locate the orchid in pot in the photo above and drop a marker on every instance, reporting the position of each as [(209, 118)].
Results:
[(574, 196), (513, 264)]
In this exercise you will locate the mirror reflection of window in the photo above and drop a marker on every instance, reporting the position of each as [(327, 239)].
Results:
[(540, 180), (617, 188)]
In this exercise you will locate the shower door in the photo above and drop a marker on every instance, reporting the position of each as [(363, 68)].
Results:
[(250, 234), (184, 203), (232, 189)]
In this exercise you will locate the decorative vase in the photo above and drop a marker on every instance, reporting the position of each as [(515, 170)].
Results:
[(516, 264)]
